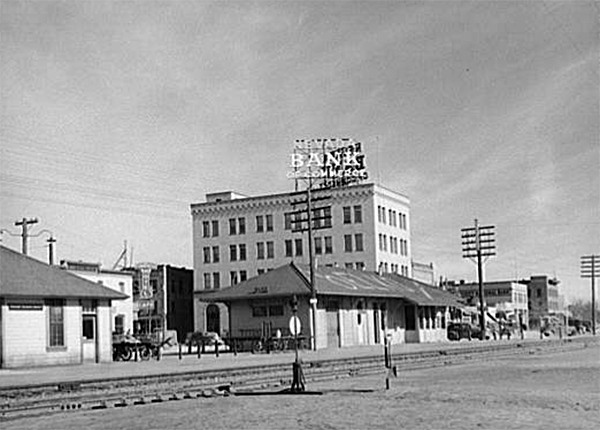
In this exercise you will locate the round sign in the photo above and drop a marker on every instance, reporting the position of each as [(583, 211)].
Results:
[(295, 326)]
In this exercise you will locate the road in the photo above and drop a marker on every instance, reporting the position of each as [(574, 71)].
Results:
[(558, 390)]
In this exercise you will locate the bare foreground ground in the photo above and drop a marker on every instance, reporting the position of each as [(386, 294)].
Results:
[(537, 391)]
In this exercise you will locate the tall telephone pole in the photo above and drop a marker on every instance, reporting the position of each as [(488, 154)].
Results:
[(24, 224), (308, 220), (478, 242), (51, 241), (590, 268)]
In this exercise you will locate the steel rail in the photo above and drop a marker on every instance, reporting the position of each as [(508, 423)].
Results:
[(38, 399)]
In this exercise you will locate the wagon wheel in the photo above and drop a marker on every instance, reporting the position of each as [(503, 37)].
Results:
[(144, 352), (257, 346), (126, 353)]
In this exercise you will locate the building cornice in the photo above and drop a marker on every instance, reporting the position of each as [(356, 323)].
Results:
[(281, 200)]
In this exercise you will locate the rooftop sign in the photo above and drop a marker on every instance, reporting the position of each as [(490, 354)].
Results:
[(328, 163)]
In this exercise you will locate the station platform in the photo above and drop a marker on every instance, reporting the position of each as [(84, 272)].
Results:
[(171, 364)]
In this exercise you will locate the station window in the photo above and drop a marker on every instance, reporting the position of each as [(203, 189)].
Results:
[(56, 322), (259, 311), (276, 310)]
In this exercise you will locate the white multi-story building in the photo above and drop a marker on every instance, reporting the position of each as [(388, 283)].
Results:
[(122, 311), (236, 237)]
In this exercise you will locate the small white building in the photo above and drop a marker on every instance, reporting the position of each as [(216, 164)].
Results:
[(354, 307), (49, 316), (122, 311)]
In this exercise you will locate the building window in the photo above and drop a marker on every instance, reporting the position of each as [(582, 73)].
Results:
[(358, 214), (383, 214), (243, 252), (288, 248), (270, 250), (215, 228), (260, 223), (242, 225), (358, 242), (259, 311), (347, 243), (215, 254), (260, 271), (233, 278), (269, 222), (287, 221), (243, 275), (298, 247), (380, 242), (390, 218), (327, 217), (347, 214), (56, 324), (216, 281), (88, 331), (119, 324), (260, 251), (317, 218), (206, 253), (232, 253), (379, 213), (205, 229), (328, 245), (276, 310), (349, 265), (232, 225), (207, 281), (360, 265), (318, 246)]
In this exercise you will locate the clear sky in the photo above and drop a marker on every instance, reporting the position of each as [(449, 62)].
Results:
[(117, 115)]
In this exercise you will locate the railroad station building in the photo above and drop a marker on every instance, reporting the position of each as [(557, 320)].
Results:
[(236, 237), (49, 316), (354, 307)]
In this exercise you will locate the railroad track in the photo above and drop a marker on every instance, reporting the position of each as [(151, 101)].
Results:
[(41, 399)]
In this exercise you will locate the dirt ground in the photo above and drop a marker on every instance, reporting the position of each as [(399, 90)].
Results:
[(536, 391)]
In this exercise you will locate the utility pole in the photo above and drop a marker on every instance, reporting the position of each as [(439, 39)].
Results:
[(590, 268), (308, 223), (24, 223), (478, 242), (51, 241)]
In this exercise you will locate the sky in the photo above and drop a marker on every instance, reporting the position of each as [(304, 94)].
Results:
[(115, 116)]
